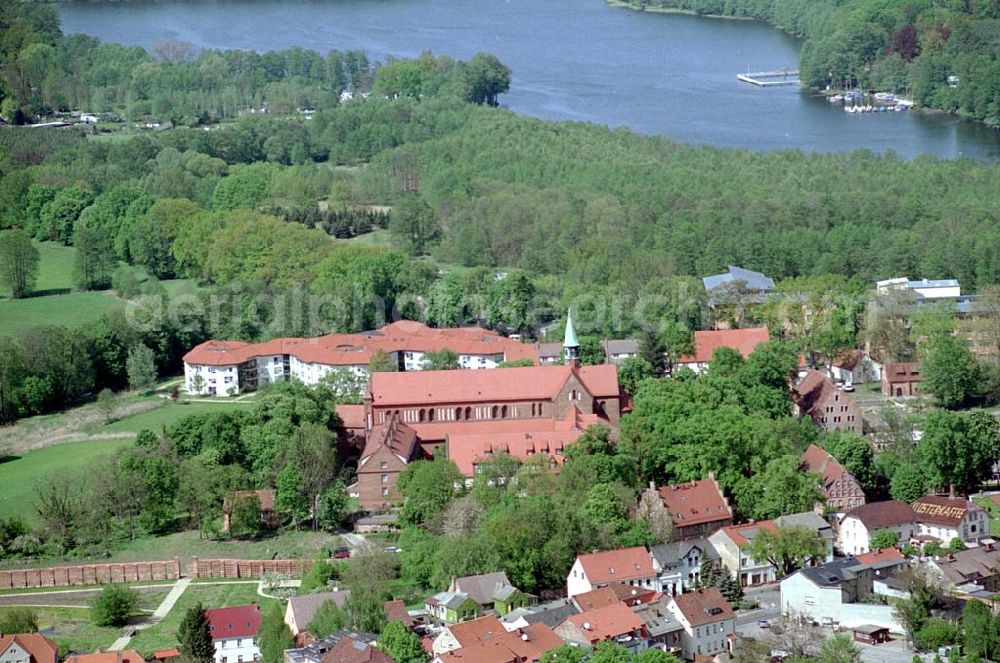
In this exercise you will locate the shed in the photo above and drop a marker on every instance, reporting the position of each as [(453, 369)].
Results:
[(871, 634)]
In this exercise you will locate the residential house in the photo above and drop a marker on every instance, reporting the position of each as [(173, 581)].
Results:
[(841, 490), (707, 342), (390, 448), (835, 591), (218, 367), (616, 623), (858, 524), (732, 544), (126, 656), (617, 351), (901, 379), (707, 619), (349, 650), (550, 613), (974, 571), (396, 611), (521, 645), (492, 591), (27, 648), (696, 508), (855, 367), (315, 651), (828, 406), (884, 562), (452, 607), (678, 564), (265, 500), (467, 633), (301, 609), (234, 633), (611, 594), (631, 566), (663, 629), (813, 522), (923, 289), (947, 518)]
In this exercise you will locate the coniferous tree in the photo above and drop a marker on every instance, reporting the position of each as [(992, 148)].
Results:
[(194, 636)]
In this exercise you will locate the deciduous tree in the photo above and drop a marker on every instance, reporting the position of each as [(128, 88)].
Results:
[(18, 263)]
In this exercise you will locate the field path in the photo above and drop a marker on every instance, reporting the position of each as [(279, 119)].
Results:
[(161, 611)]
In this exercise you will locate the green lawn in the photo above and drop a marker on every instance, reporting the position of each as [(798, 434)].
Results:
[(164, 635), (18, 476), (166, 414), (69, 310), (72, 631), (994, 512), (377, 237), (55, 266)]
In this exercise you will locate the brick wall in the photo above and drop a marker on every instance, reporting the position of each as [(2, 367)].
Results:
[(90, 574), (246, 568)]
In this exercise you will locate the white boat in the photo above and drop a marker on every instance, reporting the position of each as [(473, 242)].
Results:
[(837, 98)]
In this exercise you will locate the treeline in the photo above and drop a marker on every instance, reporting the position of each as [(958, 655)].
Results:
[(45, 72), (943, 53)]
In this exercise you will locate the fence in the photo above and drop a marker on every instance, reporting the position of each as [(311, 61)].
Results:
[(246, 568), (90, 574)]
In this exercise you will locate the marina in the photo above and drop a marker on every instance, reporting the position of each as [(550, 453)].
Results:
[(777, 78)]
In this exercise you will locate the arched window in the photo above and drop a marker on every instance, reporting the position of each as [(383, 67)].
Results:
[(503, 412), (430, 414), (493, 413), (532, 409), (458, 414), (468, 413), (423, 415)]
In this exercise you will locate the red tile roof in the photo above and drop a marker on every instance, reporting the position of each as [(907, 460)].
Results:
[(849, 360), (879, 556), (477, 630), (127, 656), (350, 650), (397, 437), (877, 515), (596, 598), (941, 510), (902, 372), (352, 416), (703, 606), (706, 343), (239, 622), (537, 436), (395, 611), (619, 565), (356, 349), (522, 644), (166, 653), (496, 386), (41, 649), (738, 533), (491, 651), (695, 502), (819, 460), (607, 622), (264, 495)]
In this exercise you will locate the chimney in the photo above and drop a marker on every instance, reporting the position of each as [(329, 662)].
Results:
[(586, 626)]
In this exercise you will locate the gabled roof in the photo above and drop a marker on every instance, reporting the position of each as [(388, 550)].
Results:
[(551, 614), (707, 342), (482, 587), (971, 564), (832, 574), (753, 280), (304, 607), (882, 558), (521, 644), (743, 534), (819, 460), (808, 519), (126, 656), (395, 437), (619, 565), (942, 510), (596, 598), (41, 649), (395, 611), (848, 360), (477, 630), (814, 390), (606, 623), (902, 371), (703, 606), (877, 515), (695, 502), (666, 554), (496, 385), (352, 416), (349, 650), (264, 495), (452, 600), (238, 622)]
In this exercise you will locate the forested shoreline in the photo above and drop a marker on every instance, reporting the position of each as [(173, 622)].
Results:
[(943, 54)]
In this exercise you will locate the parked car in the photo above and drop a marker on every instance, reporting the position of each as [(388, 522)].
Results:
[(763, 623), (392, 549), (342, 553)]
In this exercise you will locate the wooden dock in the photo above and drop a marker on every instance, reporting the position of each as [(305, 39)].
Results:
[(778, 78)]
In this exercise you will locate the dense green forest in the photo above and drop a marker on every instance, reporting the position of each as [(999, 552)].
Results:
[(942, 52)]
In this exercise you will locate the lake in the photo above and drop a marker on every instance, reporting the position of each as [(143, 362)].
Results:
[(666, 74)]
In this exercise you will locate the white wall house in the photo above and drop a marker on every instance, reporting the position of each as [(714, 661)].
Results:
[(732, 543), (678, 564), (858, 525), (947, 518), (835, 591), (234, 633), (632, 566), (707, 619), (211, 380)]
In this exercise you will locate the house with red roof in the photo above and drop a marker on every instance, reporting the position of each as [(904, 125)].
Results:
[(234, 633), (390, 448), (630, 566), (707, 619), (858, 524), (945, 518), (126, 656), (707, 342), (830, 408), (616, 622), (696, 508), (27, 648), (732, 544), (841, 490), (467, 633), (265, 501), (232, 367), (522, 645)]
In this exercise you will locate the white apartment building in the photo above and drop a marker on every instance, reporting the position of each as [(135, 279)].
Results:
[(234, 633)]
